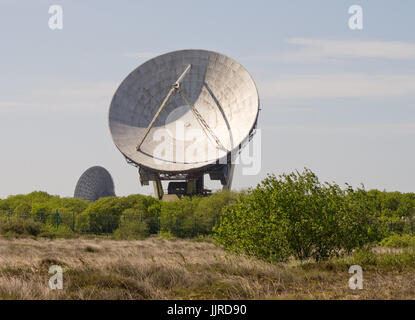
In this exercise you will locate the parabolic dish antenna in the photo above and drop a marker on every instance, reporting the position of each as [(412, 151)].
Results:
[(184, 114), (94, 183)]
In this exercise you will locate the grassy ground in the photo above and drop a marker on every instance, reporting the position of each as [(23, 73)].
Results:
[(179, 269)]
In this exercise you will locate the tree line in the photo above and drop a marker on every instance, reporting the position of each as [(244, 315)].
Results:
[(287, 215)]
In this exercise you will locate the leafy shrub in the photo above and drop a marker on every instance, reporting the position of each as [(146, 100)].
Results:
[(395, 261), (165, 235), (294, 215), (398, 260), (399, 241), (20, 227), (177, 217), (208, 210), (365, 257), (131, 226), (103, 215), (52, 232)]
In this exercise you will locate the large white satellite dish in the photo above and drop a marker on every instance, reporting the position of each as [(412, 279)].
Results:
[(183, 114)]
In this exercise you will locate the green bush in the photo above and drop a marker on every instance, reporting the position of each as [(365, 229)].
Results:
[(364, 257), (165, 235), (133, 225), (103, 215), (20, 227), (177, 217), (399, 241), (207, 211), (297, 215), (52, 232), (131, 229), (396, 261), (193, 216)]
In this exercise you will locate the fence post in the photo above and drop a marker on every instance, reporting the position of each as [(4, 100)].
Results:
[(73, 221), (90, 223), (108, 223), (158, 222), (194, 227), (57, 218), (177, 226), (9, 214)]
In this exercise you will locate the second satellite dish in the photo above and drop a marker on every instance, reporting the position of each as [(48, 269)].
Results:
[(94, 183)]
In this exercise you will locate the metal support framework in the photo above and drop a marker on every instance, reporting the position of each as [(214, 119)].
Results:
[(202, 121), (194, 180), (229, 177), (174, 87), (158, 189)]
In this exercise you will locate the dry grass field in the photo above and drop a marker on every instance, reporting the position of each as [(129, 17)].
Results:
[(158, 268)]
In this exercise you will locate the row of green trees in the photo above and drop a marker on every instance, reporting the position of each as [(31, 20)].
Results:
[(289, 215), (134, 216)]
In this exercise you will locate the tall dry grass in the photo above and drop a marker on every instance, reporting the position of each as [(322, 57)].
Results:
[(175, 269)]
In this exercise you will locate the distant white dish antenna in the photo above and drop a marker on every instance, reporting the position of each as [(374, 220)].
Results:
[(94, 183)]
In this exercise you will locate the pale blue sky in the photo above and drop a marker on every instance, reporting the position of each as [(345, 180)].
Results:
[(337, 101)]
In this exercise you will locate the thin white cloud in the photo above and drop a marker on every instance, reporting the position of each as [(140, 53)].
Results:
[(60, 96), (350, 129), (316, 86), (7, 105), (313, 50), (140, 55)]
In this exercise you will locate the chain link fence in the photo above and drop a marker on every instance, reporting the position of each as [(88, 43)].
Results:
[(181, 226), (106, 224)]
